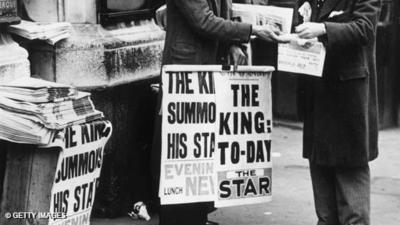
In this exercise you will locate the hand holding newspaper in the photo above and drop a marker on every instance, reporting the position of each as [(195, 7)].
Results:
[(258, 15), (304, 56)]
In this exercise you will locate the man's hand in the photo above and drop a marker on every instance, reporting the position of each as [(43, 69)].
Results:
[(237, 55), (310, 30), (269, 33)]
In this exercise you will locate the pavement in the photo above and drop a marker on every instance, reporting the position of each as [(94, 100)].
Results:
[(292, 202)]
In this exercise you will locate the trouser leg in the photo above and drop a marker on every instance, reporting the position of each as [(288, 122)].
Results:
[(156, 156), (353, 195), (184, 214), (323, 182)]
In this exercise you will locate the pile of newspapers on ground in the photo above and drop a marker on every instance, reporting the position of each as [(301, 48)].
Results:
[(33, 111)]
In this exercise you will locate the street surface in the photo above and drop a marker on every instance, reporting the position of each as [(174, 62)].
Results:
[(292, 193)]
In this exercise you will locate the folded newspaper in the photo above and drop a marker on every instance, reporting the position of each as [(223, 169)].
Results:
[(49, 32), (34, 110), (302, 56), (280, 17)]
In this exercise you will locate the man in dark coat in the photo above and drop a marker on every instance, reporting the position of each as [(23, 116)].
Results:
[(340, 109), (200, 32)]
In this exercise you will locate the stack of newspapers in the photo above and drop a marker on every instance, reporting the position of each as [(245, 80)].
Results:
[(33, 110), (49, 32)]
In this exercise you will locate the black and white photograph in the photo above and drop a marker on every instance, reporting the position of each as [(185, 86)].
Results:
[(199, 112)]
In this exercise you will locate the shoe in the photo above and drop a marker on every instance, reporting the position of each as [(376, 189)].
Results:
[(211, 223), (139, 211)]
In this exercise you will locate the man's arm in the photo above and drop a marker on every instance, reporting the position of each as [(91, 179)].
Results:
[(205, 22), (361, 30)]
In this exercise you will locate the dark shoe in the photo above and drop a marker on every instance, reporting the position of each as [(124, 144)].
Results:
[(211, 223)]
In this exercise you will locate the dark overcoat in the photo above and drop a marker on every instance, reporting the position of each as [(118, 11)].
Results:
[(340, 109), (196, 30)]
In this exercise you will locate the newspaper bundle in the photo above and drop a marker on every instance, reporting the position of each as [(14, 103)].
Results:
[(49, 32), (33, 110)]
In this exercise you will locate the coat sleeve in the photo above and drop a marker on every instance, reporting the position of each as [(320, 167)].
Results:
[(205, 22), (361, 30)]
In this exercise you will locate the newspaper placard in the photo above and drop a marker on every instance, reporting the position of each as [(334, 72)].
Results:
[(188, 136), (216, 129), (293, 57), (78, 170), (243, 138)]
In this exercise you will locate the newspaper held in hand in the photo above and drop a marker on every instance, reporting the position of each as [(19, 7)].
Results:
[(279, 17), (303, 56), (34, 110), (305, 11), (298, 56), (49, 32)]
